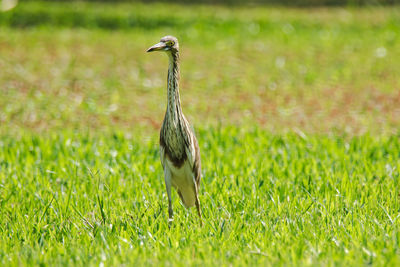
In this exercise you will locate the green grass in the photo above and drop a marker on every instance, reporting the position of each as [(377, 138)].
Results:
[(266, 199), (318, 70), (297, 113)]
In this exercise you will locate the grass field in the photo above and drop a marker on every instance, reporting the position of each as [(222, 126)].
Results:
[(77, 199), (297, 112)]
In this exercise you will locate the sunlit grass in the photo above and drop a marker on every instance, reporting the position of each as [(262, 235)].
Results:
[(317, 70), (72, 198)]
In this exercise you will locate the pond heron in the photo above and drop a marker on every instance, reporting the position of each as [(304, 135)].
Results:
[(180, 153)]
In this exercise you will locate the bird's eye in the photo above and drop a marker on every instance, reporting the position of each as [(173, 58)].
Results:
[(170, 43)]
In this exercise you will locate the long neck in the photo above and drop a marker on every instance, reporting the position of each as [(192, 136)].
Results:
[(174, 103)]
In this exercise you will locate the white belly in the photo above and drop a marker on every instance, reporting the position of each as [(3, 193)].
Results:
[(183, 181)]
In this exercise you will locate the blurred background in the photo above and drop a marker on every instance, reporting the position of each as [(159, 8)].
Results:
[(315, 66)]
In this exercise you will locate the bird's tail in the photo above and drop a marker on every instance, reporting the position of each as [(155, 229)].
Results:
[(188, 197)]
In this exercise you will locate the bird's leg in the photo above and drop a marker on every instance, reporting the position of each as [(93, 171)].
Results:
[(197, 202), (167, 178)]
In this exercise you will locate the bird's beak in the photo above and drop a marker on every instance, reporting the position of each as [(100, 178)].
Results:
[(157, 47)]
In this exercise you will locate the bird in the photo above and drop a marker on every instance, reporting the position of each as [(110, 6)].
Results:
[(179, 149)]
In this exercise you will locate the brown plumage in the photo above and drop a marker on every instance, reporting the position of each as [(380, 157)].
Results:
[(180, 153)]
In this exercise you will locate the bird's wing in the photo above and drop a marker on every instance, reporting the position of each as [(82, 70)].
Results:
[(190, 151), (162, 155), (193, 153), (197, 161)]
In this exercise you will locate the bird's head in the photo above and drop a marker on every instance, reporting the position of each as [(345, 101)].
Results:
[(166, 44)]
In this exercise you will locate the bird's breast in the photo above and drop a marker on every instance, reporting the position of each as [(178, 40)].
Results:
[(173, 144)]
